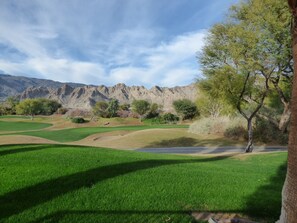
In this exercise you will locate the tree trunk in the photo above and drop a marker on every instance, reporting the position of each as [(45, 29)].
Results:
[(289, 194), (249, 148), (285, 118)]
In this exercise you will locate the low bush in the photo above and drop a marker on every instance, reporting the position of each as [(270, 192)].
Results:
[(217, 125), (267, 132), (62, 111), (236, 133), (167, 118), (78, 120), (170, 118)]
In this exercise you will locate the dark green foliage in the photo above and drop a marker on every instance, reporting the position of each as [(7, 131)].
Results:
[(113, 107), (267, 132), (141, 107), (37, 106), (106, 109), (78, 120), (236, 133), (170, 118), (185, 108), (8, 107), (100, 109), (154, 111), (167, 118), (48, 107)]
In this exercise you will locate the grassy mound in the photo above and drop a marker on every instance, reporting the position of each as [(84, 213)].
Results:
[(22, 126), (74, 134), (58, 183)]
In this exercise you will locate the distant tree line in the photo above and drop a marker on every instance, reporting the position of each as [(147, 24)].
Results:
[(143, 109), (30, 107)]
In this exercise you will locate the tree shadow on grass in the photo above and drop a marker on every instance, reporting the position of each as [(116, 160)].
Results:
[(28, 148), (188, 142), (20, 200), (266, 201)]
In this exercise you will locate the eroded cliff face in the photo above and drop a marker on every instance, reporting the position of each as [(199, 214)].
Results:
[(14, 85), (86, 96)]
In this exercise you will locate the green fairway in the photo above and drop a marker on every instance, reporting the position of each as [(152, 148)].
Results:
[(22, 126), (14, 117), (59, 183), (74, 134)]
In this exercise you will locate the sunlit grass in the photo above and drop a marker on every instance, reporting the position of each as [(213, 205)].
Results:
[(57, 183)]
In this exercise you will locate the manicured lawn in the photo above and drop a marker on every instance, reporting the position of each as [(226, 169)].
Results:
[(14, 117), (22, 126), (59, 183), (74, 134)]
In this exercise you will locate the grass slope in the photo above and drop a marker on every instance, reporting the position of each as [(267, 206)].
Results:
[(57, 183), (22, 126), (74, 134)]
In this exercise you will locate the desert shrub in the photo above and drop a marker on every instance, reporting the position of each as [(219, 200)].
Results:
[(154, 111), (154, 121), (78, 120), (236, 133), (77, 112), (61, 111), (217, 125), (123, 113), (167, 118), (267, 132), (185, 108), (170, 118)]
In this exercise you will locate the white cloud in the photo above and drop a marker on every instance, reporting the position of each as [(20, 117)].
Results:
[(168, 64), (69, 43)]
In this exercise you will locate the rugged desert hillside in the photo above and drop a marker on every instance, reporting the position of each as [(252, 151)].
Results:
[(86, 96), (13, 85)]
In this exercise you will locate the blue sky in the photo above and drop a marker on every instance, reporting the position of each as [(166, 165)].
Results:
[(136, 42)]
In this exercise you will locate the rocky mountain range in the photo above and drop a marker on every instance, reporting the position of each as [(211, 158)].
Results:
[(14, 85), (72, 95)]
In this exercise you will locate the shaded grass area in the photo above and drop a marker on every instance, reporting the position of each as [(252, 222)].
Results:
[(74, 134), (22, 126), (59, 183), (189, 142)]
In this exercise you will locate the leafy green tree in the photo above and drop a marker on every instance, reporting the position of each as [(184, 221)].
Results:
[(113, 107), (2, 110), (125, 107), (141, 107), (245, 54), (154, 111), (185, 108), (100, 109), (9, 105), (170, 118), (29, 107), (49, 106), (211, 106)]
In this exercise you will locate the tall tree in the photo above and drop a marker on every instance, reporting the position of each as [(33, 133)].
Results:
[(243, 55), (185, 108), (289, 194), (113, 107), (141, 107)]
